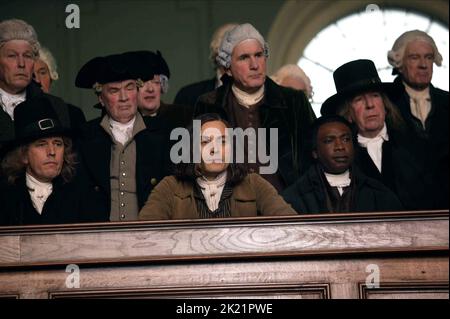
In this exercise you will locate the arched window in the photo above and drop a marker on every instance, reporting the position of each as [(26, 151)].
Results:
[(368, 34)]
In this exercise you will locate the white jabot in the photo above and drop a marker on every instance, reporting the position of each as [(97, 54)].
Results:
[(10, 101), (375, 145), (420, 103), (339, 180), (212, 189), (246, 99), (122, 132), (39, 192)]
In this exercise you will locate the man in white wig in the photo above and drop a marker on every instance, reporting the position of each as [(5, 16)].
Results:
[(423, 106), (248, 99), (45, 69)]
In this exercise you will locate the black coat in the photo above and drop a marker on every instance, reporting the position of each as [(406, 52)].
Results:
[(171, 116), (189, 94), (435, 136), (404, 170), (69, 115), (72, 202), (308, 194), (152, 162), (283, 108)]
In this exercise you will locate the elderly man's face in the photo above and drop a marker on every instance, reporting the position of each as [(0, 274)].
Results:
[(16, 65), (417, 68), (334, 147), (248, 66), (149, 97), (120, 100), (42, 75), (44, 158), (368, 112)]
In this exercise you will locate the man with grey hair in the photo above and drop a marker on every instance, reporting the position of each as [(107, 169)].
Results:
[(250, 99), (189, 94), (19, 49), (423, 106), (291, 75)]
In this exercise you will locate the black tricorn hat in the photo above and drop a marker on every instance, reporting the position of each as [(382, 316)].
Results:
[(101, 70), (350, 79), (36, 118), (146, 64)]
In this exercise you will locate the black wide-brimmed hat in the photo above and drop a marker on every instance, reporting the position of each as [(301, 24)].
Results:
[(350, 79), (107, 69), (36, 118), (146, 64)]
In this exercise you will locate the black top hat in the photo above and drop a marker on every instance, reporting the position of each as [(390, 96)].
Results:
[(101, 70), (350, 79), (145, 64), (35, 118)]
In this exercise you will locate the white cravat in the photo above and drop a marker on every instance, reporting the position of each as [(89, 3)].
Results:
[(339, 180), (212, 189), (246, 99), (420, 103), (122, 132), (10, 101), (375, 145), (39, 192)]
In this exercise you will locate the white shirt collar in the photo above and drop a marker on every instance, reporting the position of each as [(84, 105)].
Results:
[(339, 180), (246, 99), (39, 192), (374, 146), (9, 101), (122, 132)]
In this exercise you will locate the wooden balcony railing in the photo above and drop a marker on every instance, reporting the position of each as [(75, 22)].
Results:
[(370, 255)]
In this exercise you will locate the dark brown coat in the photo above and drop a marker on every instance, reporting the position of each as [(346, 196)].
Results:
[(174, 199)]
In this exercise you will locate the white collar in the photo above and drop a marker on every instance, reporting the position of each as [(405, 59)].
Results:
[(122, 132), (246, 99), (121, 126), (39, 191), (338, 180), (415, 94), (10, 101), (382, 135)]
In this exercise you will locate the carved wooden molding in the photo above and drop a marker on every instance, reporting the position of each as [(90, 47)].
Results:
[(225, 222), (338, 235), (439, 289), (320, 291)]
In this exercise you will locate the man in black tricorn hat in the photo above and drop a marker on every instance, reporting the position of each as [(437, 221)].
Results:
[(154, 73), (384, 151), (42, 183), (124, 158)]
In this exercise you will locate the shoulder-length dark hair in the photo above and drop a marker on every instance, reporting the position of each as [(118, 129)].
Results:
[(13, 165), (236, 172)]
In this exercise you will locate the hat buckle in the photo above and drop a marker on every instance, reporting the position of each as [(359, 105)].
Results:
[(46, 124)]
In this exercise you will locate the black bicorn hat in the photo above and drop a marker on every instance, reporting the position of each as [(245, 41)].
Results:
[(350, 79), (107, 69), (146, 64), (36, 118)]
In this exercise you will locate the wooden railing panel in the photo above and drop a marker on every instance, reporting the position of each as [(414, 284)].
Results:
[(289, 257)]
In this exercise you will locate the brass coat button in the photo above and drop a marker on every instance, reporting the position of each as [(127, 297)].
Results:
[(153, 181)]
